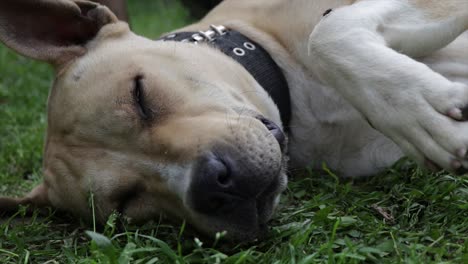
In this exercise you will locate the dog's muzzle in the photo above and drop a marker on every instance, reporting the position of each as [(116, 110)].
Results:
[(238, 185)]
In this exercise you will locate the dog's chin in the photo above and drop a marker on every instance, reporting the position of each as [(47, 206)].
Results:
[(249, 222)]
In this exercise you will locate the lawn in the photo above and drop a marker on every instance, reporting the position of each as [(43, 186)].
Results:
[(404, 215)]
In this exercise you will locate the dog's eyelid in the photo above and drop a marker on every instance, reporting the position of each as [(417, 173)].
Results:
[(138, 87), (139, 97)]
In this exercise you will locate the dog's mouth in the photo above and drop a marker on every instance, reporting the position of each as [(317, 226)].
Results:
[(247, 220)]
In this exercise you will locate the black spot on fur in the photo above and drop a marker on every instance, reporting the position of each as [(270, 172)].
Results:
[(327, 12)]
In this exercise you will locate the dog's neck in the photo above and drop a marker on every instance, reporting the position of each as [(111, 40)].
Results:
[(253, 57)]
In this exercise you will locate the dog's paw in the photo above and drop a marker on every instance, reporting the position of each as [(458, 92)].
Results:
[(431, 125)]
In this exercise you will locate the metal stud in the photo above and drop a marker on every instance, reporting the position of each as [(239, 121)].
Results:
[(221, 30), (197, 37), (208, 35), (249, 46), (239, 52)]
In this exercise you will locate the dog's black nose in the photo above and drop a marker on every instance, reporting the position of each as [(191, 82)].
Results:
[(275, 130), (215, 187), (221, 184)]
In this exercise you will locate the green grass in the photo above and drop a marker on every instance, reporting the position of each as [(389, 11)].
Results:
[(405, 215)]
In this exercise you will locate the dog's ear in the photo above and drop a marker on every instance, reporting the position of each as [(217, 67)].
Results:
[(37, 198), (54, 31)]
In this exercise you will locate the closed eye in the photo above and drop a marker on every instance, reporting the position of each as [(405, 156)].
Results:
[(139, 97)]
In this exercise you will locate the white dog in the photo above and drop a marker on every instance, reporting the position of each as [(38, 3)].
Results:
[(193, 125)]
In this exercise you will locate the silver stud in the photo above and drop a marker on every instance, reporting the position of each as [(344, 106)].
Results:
[(249, 46), (239, 52), (197, 37), (207, 35), (221, 30)]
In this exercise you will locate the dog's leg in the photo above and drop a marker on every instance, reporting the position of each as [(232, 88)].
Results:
[(37, 198), (365, 51)]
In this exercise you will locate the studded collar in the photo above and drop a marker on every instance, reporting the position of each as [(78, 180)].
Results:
[(253, 57)]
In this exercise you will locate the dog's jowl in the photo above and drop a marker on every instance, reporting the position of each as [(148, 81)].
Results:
[(203, 123)]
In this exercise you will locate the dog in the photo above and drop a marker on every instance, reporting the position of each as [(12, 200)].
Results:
[(182, 128)]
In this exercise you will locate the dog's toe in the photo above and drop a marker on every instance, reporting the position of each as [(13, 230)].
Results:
[(458, 114), (462, 153), (464, 113)]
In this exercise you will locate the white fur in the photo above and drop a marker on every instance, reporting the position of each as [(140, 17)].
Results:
[(353, 51)]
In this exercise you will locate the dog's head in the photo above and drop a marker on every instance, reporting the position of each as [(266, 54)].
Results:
[(149, 127)]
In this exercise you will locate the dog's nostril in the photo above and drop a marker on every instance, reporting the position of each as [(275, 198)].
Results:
[(223, 179), (220, 171)]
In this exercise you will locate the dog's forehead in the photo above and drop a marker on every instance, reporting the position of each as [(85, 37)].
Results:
[(173, 66), (105, 76), (168, 58)]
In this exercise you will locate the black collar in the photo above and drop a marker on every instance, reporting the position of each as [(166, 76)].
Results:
[(255, 59)]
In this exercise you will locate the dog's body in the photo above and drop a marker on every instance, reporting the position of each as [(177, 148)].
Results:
[(326, 127), (362, 96)]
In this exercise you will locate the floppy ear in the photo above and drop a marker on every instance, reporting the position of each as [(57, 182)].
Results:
[(54, 31), (37, 198)]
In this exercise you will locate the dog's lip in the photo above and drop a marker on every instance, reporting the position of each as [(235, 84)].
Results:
[(269, 195), (274, 129), (259, 225), (261, 201)]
